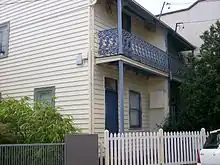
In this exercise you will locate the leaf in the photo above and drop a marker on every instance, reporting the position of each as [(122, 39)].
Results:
[(22, 122), (200, 90)]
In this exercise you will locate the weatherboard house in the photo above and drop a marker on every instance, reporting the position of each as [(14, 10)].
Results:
[(110, 65)]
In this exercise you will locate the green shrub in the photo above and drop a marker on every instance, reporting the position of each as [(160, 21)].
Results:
[(22, 122)]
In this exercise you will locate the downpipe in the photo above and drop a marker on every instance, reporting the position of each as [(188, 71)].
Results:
[(91, 62)]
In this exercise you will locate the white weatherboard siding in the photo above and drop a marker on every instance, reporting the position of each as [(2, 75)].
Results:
[(107, 20), (45, 38), (103, 21), (157, 115), (156, 38), (202, 11), (151, 118), (131, 82)]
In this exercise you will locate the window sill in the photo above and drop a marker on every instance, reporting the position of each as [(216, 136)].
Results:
[(5, 56), (135, 129)]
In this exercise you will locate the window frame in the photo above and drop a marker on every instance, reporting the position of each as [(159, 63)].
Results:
[(37, 90), (5, 25), (139, 126)]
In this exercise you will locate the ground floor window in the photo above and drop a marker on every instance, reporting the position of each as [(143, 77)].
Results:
[(45, 94), (135, 109)]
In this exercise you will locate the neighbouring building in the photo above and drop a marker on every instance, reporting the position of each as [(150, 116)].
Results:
[(194, 20), (107, 72)]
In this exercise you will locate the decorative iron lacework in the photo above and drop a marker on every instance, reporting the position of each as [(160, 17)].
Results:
[(134, 48), (140, 50), (108, 42)]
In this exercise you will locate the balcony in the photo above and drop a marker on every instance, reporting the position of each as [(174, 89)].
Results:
[(137, 49)]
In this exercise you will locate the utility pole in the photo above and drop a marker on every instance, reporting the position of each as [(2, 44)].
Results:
[(161, 12)]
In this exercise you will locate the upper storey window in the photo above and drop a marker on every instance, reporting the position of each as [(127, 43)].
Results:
[(4, 36)]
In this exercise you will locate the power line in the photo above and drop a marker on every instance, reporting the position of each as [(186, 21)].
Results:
[(198, 21), (212, 0), (184, 3), (180, 25), (187, 3)]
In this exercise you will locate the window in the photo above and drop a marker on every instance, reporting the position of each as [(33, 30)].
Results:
[(213, 141), (135, 109), (126, 22), (45, 94), (4, 36), (111, 84)]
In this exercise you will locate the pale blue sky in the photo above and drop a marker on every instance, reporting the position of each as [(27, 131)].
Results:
[(154, 6)]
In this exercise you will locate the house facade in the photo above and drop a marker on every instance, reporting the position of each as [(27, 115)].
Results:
[(194, 20), (108, 64)]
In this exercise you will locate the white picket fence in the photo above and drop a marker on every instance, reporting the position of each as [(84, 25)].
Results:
[(153, 148)]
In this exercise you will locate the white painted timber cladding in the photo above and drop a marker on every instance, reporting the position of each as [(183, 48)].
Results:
[(103, 21), (45, 38), (131, 82), (157, 116), (106, 20)]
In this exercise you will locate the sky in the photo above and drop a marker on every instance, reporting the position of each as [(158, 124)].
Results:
[(154, 6)]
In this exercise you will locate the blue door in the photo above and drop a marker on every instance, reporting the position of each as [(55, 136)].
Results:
[(111, 105)]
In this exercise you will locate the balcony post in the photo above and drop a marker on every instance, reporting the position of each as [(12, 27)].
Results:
[(169, 74), (121, 94), (121, 67), (119, 5)]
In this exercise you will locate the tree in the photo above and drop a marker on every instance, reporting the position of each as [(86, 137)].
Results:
[(200, 90), (22, 122)]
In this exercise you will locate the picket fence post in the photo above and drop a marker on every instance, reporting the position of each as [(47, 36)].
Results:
[(203, 135), (161, 137), (106, 146)]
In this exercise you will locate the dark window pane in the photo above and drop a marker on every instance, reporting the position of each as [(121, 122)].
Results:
[(126, 22), (111, 84), (134, 100), (134, 118), (45, 94), (213, 141), (135, 109)]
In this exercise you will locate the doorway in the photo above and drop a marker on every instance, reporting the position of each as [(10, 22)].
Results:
[(111, 105)]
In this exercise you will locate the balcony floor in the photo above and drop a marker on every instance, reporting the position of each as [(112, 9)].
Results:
[(131, 63)]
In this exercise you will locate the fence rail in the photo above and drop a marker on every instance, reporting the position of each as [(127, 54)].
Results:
[(154, 148), (32, 154)]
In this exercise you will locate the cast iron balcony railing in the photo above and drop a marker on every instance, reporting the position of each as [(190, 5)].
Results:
[(135, 48)]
